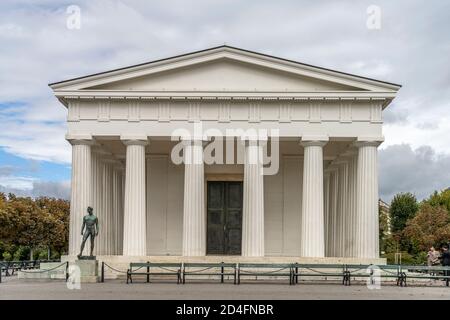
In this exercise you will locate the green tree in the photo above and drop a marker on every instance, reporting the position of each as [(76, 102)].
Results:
[(430, 227), (28, 222), (28, 225), (440, 199), (403, 207)]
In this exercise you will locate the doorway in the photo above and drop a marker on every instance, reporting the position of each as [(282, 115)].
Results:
[(224, 217)]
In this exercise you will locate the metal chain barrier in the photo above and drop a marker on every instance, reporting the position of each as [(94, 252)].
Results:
[(167, 269), (45, 270), (201, 270), (253, 273), (120, 271), (313, 270)]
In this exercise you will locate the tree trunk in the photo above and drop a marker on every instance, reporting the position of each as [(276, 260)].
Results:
[(31, 253)]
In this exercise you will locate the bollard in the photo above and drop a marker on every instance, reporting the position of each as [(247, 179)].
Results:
[(103, 272), (67, 271), (222, 270), (148, 273)]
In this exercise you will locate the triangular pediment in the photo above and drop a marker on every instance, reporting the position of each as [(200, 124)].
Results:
[(224, 69), (225, 75)]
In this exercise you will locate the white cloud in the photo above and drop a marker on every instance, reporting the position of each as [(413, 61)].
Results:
[(56, 189), (405, 169), (17, 182), (411, 48)]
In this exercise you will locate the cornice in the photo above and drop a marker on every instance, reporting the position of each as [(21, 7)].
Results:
[(384, 98)]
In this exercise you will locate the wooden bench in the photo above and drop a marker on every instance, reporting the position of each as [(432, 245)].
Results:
[(367, 271), (261, 270), (154, 269), (319, 270), (209, 269), (425, 272)]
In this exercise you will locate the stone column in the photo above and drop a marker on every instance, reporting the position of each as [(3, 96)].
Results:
[(342, 213), (351, 202), (81, 187), (117, 208), (194, 216), (134, 233), (326, 207), (110, 205), (312, 222), (97, 195), (366, 240), (108, 227), (253, 206), (334, 186), (122, 209)]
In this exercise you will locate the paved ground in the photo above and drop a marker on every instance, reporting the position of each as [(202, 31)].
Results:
[(12, 288)]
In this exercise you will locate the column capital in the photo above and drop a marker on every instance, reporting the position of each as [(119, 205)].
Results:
[(134, 139), (195, 138), (368, 141), (359, 144), (135, 142), (195, 141), (80, 139), (313, 140), (313, 143)]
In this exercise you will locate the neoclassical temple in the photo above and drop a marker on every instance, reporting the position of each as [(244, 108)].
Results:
[(223, 153)]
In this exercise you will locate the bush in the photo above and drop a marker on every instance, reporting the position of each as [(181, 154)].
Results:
[(55, 255), (420, 258), (42, 254), (407, 259), (21, 253), (7, 256)]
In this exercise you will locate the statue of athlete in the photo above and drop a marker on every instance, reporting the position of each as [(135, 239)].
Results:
[(90, 221)]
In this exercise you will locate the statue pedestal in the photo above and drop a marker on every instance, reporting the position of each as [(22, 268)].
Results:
[(88, 270)]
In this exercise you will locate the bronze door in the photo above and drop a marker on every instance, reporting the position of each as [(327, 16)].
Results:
[(224, 210)]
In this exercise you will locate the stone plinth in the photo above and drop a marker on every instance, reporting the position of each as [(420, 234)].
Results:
[(88, 270)]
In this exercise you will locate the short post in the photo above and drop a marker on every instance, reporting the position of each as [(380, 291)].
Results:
[(238, 271), (67, 271), (221, 270), (296, 273), (103, 272), (148, 272)]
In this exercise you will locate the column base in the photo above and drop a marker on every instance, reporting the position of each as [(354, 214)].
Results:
[(231, 259)]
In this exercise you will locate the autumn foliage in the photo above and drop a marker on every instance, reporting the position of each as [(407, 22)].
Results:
[(430, 227), (40, 223)]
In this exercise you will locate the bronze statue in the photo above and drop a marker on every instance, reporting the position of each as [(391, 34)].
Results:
[(90, 221)]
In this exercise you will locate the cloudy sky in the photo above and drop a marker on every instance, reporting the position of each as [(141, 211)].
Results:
[(411, 47)]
